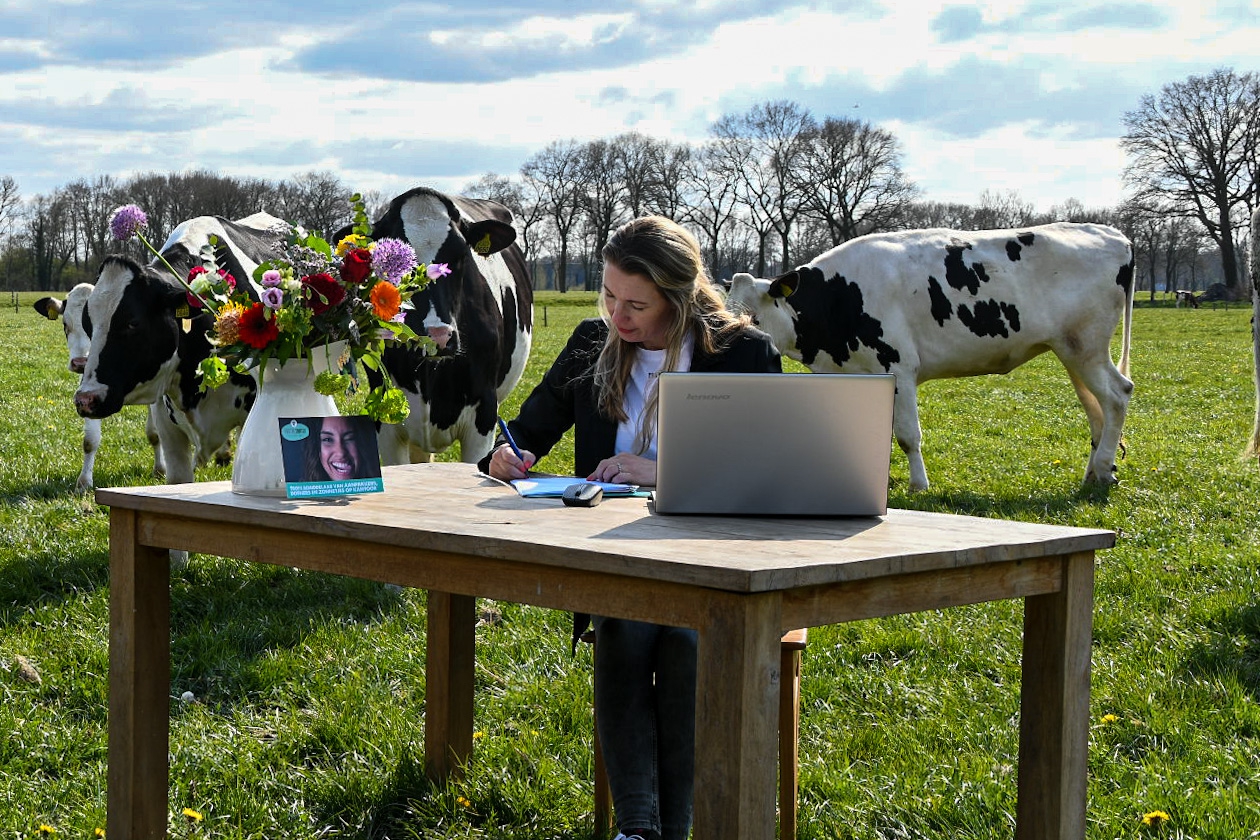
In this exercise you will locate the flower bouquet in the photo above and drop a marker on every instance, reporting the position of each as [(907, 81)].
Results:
[(311, 295)]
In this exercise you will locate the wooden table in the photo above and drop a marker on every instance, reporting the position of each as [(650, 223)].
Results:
[(740, 582)]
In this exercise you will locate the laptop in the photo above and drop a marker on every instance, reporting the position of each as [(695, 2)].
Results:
[(773, 444)]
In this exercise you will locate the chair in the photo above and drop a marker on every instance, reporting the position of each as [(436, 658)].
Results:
[(791, 649)]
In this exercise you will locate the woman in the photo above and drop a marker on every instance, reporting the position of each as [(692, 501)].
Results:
[(660, 312), (334, 453)]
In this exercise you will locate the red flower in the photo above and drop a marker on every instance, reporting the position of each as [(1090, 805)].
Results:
[(322, 292), (194, 271), (356, 266), (256, 329)]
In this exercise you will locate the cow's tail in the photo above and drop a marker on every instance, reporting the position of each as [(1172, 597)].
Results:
[(1127, 336)]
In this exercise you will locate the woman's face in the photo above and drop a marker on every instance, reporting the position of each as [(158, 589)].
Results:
[(639, 312), (338, 450)]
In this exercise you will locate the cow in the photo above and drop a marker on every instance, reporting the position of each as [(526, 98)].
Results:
[(1253, 261), (1184, 296), (146, 344), (934, 304), (480, 318), (70, 311)]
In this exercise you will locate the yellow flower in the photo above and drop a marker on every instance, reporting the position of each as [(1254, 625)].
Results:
[(462, 801), (478, 734), (192, 816), (100, 832), (350, 242), (227, 324), (1109, 718), (46, 830), (1155, 818)]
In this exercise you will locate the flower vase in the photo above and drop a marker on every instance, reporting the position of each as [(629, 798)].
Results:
[(285, 390)]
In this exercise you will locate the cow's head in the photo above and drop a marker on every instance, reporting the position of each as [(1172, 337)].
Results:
[(133, 317), (434, 226), (765, 301), (70, 311)]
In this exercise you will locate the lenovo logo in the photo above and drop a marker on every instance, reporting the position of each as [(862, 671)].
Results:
[(692, 396)]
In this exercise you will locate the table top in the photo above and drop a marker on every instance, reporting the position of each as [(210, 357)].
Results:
[(451, 507)]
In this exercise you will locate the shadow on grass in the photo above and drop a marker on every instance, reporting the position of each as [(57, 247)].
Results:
[(49, 578), (1026, 507), (1233, 650)]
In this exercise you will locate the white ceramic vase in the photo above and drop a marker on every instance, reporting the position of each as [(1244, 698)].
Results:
[(286, 390)]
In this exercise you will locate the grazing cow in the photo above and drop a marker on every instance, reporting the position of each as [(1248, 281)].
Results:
[(933, 304), (70, 311), (1188, 298), (1253, 446), (146, 348), (480, 316)]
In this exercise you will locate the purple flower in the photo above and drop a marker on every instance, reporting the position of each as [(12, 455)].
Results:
[(393, 259), (270, 278), (125, 221), (437, 270), (272, 297)]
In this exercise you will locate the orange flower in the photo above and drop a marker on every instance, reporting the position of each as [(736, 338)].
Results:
[(386, 302)]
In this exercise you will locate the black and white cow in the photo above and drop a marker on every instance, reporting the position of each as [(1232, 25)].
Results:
[(934, 304), (144, 348), (70, 312), (481, 317)]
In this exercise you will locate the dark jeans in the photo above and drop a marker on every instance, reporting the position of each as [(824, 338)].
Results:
[(645, 704)]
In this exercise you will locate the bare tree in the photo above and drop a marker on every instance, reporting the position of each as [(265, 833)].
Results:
[(48, 240), (761, 149), (603, 191), (1002, 210), (318, 201), (557, 172), (1194, 150), (850, 178), (519, 196), (713, 197)]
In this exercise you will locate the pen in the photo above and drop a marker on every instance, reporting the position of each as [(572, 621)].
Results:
[(512, 442)]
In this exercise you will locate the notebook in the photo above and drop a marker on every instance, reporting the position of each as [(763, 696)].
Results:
[(797, 444)]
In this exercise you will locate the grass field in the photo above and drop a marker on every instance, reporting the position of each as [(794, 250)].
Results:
[(309, 688)]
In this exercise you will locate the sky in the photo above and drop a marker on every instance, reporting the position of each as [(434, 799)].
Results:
[(1003, 97)]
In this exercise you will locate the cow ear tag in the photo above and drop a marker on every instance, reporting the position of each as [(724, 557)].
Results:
[(483, 245), (182, 311)]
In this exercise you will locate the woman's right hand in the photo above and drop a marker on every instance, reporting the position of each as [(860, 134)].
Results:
[(505, 466)]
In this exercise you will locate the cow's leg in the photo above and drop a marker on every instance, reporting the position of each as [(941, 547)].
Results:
[(177, 455), (907, 431), (151, 432), (1112, 390), (91, 443), (393, 444), (1093, 411)]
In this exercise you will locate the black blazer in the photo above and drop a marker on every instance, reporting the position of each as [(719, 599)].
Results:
[(566, 398)]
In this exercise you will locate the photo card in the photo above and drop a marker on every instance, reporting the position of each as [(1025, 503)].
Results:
[(330, 456)]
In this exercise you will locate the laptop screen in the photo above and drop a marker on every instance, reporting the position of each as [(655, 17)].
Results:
[(807, 444)]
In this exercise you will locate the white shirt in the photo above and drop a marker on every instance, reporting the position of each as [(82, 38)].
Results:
[(647, 366)]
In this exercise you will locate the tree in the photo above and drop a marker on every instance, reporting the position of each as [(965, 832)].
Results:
[(760, 150), (602, 192), (316, 200), (1194, 150), (1002, 210), (713, 197), (557, 174), (850, 178)]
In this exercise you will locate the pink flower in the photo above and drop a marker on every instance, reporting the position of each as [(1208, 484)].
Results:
[(272, 297), (125, 221), (437, 270), (271, 277)]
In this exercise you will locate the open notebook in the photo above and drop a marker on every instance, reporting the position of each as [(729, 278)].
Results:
[(808, 444)]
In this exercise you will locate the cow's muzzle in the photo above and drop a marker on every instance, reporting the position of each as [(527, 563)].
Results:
[(88, 403), (78, 364), (441, 336)]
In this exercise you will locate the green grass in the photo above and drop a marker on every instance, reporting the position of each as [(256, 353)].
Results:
[(309, 688)]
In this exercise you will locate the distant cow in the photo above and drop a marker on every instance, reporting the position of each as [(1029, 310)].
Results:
[(1188, 298), (1253, 447), (70, 311), (145, 347), (934, 304), (481, 317)]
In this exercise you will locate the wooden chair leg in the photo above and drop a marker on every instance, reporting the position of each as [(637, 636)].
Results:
[(603, 795)]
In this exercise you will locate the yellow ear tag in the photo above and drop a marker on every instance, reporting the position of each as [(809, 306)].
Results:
[(483, 245), (182, 311)]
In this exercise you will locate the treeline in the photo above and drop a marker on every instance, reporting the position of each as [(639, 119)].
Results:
[(768, 188)]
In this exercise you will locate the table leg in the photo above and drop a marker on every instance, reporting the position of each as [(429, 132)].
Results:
[(448, 693), (139, 683), (1054, 707), (737, 692)]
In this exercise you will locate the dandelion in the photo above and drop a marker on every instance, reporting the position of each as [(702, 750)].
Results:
[(126, 221), (1155, 818), (46, 830), (436, 271), (478, 734), (192, 816), (99, 833), (393, 259), (386, 300), (462, 801), (1109, 718)]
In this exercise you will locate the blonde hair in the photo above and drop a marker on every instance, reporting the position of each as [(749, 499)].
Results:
[(666, 253)]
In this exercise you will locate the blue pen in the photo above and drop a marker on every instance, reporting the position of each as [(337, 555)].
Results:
[(512, 442)]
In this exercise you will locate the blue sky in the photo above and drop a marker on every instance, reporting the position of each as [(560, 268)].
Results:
[(1000, 96)]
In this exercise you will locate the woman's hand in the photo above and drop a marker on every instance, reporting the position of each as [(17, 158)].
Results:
[(505, 466), (626, 469)]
